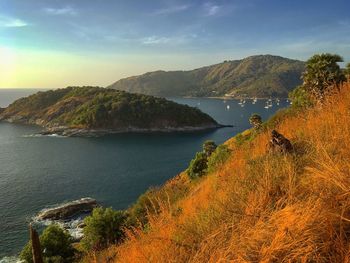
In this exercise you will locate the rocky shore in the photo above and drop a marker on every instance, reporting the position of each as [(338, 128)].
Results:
[(79, 132)]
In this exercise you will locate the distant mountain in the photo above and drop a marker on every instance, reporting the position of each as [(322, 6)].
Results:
[(85, 111), (255, 76)]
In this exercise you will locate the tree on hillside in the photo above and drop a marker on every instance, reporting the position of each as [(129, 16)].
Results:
[(198, 165), (56, 245), (209, 147), (347, 71), (103, 228), (255, 120), (322, 73)]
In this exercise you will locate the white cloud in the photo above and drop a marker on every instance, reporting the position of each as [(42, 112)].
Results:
[(154, 40), (61, 11), (171, 10), (172, 40), (211, 9), (12, 22)]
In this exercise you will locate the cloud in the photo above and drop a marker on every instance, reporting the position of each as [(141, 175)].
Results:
[(61, 11), (211, 9), (173, 40), (12, 22), (154, 40), (171, 10)]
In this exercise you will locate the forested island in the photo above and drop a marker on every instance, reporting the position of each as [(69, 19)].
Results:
[(261, 76), (91, 111)]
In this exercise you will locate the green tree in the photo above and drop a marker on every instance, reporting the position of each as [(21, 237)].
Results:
[(255, 120), (322, 72), (347, 71), (300, 97), (56, 245), (198, 166), (104, 227), (209, 147)]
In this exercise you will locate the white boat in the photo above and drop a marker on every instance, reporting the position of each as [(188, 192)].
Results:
[(228, 107)]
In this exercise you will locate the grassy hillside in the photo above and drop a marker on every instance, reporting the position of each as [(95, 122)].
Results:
[(255, 76), (256, 206), (99, 108)]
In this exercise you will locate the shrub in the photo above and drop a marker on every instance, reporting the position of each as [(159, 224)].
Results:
[(255, 120), (209, 147), (221, 154), (198, 166), (301, 98), (56, 245), (103, 227)]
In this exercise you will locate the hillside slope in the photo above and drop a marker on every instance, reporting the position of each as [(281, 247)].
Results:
[(78, 110), (255, 76), (258, 206)]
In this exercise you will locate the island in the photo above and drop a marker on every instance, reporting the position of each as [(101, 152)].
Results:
[(95, 111)]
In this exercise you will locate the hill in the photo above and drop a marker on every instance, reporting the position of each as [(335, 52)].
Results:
[(94, 110), (254, 205), (255, 76)]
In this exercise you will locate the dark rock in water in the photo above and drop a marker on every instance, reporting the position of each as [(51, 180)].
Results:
[(68, 210), (279, 143)]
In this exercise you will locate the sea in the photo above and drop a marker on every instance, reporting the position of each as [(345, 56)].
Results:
[(37, 172)]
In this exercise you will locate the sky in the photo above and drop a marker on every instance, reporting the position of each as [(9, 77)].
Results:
[(59, 43)]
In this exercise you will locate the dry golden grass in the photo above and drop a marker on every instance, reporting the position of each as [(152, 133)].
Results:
[(261, 207)]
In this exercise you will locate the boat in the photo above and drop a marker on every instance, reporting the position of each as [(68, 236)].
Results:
[(228, 107)]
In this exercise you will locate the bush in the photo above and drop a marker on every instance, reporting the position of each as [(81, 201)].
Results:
[(221, 154), (209, 147), (103, 227), (56, 245), (255, 120), (198, 166), (301, 98)]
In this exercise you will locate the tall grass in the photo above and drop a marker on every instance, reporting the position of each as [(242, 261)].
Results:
[(262, 207)]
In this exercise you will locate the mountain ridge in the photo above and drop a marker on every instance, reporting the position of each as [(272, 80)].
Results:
[(254, 76)]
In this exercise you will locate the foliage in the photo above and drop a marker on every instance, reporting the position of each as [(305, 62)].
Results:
[(198, 166), (255, 120), (103, 227), (322, 74), (347, 71), (255, 76), (56, 245), (218, 158), (94, 107), (209, 147), (301, 98)]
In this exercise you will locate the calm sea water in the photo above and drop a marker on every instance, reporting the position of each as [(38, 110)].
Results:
[(36, 172)]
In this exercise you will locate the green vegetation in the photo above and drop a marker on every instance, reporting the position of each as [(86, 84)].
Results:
[(347, 71), (322, 74), (218, 158), (255, 76), (56, 245), (198, 166), (99, 108), (103, 228), (255, 120)]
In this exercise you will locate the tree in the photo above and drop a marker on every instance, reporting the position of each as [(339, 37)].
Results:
[(300, 98), (103, 228), (209, 147), (255, 120), (56, 245), (347, 71), (321, 74), (198, 166)]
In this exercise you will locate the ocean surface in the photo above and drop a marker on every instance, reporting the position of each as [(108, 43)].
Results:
[(37, 172)]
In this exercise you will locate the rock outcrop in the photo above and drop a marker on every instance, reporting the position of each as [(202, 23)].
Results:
[(68, 210), (279, 144)]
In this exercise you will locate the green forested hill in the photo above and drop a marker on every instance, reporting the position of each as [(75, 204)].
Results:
[(100, 108), (255, 76)]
